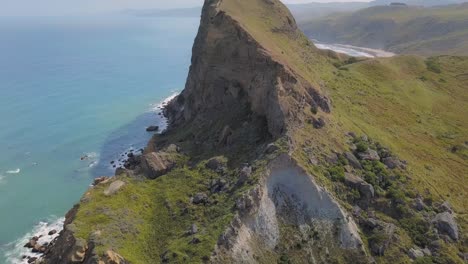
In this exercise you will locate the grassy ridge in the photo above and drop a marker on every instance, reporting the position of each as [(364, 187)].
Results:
[(417, 107), (408, 30)]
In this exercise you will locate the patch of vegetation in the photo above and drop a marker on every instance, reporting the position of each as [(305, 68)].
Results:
[(336, 173), (148, 219), (433, 66)]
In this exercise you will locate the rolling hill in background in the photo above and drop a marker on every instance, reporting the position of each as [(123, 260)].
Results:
[(400, 29)]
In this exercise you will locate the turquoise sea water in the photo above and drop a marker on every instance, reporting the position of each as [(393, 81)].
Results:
[(73, 87)]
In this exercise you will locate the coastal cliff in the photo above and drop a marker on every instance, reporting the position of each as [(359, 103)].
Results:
[(258, 166)]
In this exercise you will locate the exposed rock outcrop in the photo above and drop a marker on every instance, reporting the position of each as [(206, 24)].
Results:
[(156, 164), (232, 72), (445, 223), (287, 196)]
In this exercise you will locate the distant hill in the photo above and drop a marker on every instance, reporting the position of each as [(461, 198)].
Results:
[(177, 12), (400, 29), (426, 3), (308, 11), (303, 12)]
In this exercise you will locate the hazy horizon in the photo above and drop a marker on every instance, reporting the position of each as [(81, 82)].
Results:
[(83, 7)]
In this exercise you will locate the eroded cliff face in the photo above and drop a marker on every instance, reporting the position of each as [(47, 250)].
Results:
[(231, 70), (289, 213)]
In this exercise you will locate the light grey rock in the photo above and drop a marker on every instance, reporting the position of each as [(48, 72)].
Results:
[(200, 198), (216, 163), (393, 163), (419, 204), (114, 187), (415, 253), (445, 223), (156, 164), (369, 154), (353, 161), (446, 207), (365, 189), (271, 148)]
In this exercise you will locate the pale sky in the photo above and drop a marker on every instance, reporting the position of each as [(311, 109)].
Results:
[(68, 7)]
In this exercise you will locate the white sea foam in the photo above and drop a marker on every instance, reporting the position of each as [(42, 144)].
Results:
[(92, 159), (14, 171), (15, 251), (2, 179), (158, 106), (354, 50)]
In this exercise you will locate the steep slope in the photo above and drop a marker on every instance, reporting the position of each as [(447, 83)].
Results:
[(400, 29), (280, 152)]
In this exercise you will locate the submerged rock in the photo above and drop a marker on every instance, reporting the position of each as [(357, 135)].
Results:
[(152, 129)]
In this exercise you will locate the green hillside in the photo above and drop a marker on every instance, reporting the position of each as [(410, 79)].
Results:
[(256, 165), (401, 29)]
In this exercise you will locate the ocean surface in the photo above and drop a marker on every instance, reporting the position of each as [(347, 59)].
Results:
[(75, 94)]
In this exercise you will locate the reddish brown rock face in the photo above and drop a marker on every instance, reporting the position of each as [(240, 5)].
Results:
[(232, 72)]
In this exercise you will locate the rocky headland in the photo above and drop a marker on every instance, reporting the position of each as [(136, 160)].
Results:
[(258, 166)]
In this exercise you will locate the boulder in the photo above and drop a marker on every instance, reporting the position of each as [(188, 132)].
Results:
[(110, 257), (195, 240), (216, 164), (393, 163), (78, 252), (114, 187), (445, 223), (419, 204), (244, 175), (224, 137), (52, 232), (365, 189), (353, 161), (382, 239), (32, 259), (218, 185), (369, 154), (271, 148), (200, 198), (318, 123), (172, 148), (427, 252), (152, 129), (371, 223), (445, 207), (31, 243), (132, 162), (38, 248), (415, 253), (156, 164), (100, 180), (193, 229)]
